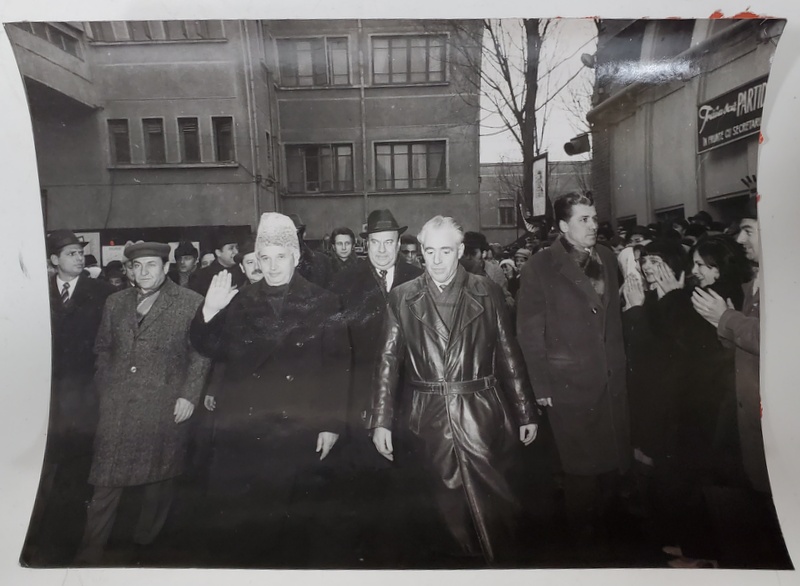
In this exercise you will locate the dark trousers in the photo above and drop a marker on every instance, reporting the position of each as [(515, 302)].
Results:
[(102, 512), (588, 501)]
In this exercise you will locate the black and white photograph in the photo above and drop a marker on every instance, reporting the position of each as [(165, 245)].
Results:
[(404, 293)]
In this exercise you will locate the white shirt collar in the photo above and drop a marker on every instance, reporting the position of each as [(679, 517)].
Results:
[(72, 284), (441, 286)]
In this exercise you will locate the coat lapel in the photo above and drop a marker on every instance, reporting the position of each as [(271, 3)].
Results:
[(468, 308), (423, 309), (570, 270)]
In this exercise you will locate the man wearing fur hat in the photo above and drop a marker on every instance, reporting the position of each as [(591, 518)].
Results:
[(286, 357), (149, 378)]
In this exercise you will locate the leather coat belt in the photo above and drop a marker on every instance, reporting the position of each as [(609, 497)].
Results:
[(454, 388)]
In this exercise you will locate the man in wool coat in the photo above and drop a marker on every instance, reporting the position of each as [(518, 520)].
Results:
[(569, 325), (149, 378)]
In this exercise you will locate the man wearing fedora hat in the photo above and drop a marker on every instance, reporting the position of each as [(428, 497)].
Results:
[(76, 306), (185, 263), (364, 289), (149, 379)]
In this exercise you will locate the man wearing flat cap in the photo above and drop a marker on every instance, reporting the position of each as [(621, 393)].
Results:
[(149, 378), (226, 246), (364, 290), (185, 263), (284, 348), (76, 307)]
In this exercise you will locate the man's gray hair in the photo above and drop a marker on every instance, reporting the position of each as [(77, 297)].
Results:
[(437, 223)]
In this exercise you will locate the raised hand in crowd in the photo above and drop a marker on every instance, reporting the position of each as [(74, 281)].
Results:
[(220, 293), (633, 292), (710, 305)]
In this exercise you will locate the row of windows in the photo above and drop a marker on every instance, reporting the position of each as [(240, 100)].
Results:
[(154, 140), (325, 61), (156, 30), (52, 35), (310, 168), (399, 166)]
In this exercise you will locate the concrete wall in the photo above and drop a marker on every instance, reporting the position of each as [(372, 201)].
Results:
[(42, 61), (203, 79)]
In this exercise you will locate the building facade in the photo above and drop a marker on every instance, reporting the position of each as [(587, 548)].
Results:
[(376, 114), (501, 184), (171, 129), (676, 116)]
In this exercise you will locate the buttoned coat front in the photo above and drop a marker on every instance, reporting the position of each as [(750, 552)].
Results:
[(142, 370), (572, 341), (468, 437)]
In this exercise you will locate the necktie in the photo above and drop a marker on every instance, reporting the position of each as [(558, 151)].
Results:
[(65, 293), (382, 274)]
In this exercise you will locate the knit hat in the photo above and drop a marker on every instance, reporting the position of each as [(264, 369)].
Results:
[(507, 262), (277, 230)]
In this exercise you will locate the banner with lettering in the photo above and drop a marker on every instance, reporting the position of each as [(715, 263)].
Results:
[(539, 203), (731, 116)]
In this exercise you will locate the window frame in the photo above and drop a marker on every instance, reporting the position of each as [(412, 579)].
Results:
[(503, 204), (215, 139), (182, 140), (411, 189), (113, 153), (146, 141), (329, 72), (111, 32), (445, 36), (334, 171)]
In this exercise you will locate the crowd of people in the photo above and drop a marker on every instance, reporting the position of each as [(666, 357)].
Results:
[(323, 404)]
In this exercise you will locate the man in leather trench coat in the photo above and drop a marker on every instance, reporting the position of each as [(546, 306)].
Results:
[(451, 331)]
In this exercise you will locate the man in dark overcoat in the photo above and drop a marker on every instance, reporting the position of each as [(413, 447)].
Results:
[(149, 378), (451, 334), (76, 307), (185, 266), (364, 289), (226, 247), (569, 326), (281, 410)]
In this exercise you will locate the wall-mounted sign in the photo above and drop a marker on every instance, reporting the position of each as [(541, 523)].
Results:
[(731, 116), (539, 205)]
